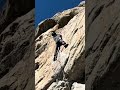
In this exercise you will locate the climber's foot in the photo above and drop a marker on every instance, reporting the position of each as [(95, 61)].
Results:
[(55, 58), (66, 45)]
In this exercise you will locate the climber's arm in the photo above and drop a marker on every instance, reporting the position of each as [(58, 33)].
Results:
[(63, 42)]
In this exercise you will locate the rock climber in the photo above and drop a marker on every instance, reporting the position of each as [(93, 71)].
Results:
[(59, 42)]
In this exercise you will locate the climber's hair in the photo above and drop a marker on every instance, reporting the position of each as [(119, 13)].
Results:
[(53, 33)]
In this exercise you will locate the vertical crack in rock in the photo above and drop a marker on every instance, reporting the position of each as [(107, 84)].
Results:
[(110, 3), (97, 12), (91, 11)]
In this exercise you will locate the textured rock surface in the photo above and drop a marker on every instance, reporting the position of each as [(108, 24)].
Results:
[(13, 9), (82, 4), (77, 86), (44, 26), (61, 85), (17, 54), (103, 49), (17, 48), (69, 66)]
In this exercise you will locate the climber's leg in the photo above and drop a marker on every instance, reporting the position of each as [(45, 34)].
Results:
[(56, 52)]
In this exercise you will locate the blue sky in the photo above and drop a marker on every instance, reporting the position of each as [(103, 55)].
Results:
[(47, 8)]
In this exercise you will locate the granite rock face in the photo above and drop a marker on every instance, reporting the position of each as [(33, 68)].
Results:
[(61, 85), (77, 86), (69, 66), (17, 46), (103, 45), (13, 9), (82, 4), (17, 54)]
